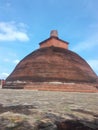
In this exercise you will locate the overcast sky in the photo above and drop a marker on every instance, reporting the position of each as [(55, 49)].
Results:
[(25, 23)]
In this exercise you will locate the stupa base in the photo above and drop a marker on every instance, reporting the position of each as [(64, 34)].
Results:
[(55, 86)]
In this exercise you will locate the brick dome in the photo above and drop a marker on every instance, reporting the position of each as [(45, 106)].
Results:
[(52, 62)]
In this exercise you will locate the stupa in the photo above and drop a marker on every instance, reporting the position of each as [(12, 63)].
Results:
[(53, 67)]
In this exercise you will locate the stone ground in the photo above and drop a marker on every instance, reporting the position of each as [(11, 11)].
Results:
[(48, 110)]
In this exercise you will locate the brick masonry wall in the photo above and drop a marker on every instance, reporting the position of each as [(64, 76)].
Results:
[(55, 43), (53, 64), (63, 87)]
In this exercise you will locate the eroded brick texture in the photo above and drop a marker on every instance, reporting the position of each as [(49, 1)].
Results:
[(53, 41), (53, 62)]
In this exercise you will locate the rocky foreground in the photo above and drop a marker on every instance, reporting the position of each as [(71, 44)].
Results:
[(44, 110)]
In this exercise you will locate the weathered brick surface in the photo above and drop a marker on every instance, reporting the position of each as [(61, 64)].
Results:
[(63, 87), (54, 42), (53, 64)]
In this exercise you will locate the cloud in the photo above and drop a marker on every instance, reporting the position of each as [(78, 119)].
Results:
[(94, 65), (90, 39), (90, 42), (6, 60), (5, 5), (4, 75), (11, 61), (10, 31), (16, 61), (8, 4)]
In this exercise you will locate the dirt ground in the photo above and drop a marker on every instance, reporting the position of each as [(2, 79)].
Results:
[(68, 105)]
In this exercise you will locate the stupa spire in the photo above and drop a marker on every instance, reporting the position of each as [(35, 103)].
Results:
[(54, 33), (53, 40)]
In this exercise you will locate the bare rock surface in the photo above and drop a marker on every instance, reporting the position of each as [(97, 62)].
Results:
[(44, 110)]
